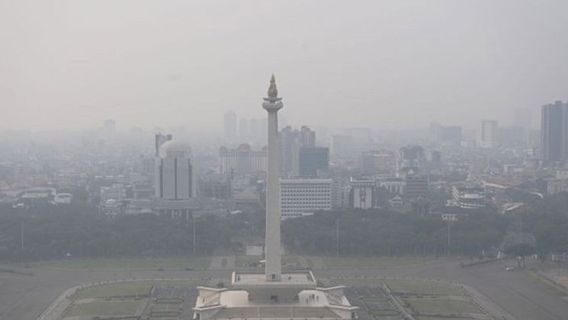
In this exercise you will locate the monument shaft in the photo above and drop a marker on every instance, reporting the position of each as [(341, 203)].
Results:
[(273, 268)]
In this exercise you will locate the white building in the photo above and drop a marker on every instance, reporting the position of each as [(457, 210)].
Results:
[(362, 193), (468, 197), (174, 176), (242, 160), (300, 197), (393, 185)]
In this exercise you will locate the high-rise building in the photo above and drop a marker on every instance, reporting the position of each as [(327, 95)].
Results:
[(382, 162), (313, 161), (230, 126), (292, 141), (301, 196), (174, 172), (489, 134), (159, 140), (242, 160), (554, 131)]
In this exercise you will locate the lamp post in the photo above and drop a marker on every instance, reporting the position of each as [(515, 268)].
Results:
[(449, 218)]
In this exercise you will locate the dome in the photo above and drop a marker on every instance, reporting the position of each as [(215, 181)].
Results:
[(174, 146)]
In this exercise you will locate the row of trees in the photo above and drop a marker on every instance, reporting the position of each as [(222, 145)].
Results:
[(63, 232), (387, 233), (56, 232), (541, 226)]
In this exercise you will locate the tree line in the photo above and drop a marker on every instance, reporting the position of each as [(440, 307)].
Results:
[(80, 231)]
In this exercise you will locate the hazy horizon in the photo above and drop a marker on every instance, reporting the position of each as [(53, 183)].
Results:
[(73, 64)]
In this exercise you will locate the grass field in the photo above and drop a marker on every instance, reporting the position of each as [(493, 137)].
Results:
[(410, 286), (198, 263), (133, 288), (426, 287), (443, 306), (106, 308), (373, 262), (128, 288)]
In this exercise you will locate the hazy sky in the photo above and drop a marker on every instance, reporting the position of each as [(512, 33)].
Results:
[(74, 63)]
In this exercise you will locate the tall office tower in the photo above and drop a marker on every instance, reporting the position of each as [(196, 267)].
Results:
[(291, 295), (313, 161), (489, 134), (554, 132), (292, 141), (307, 137), (174, 172), (230, 126), (159, 140)]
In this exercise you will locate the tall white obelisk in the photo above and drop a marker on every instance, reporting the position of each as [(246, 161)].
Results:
[(273, 268)]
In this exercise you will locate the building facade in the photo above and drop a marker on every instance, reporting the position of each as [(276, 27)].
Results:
[(242, 160), (292, 141), (304, 196), (363, 193), (313, 161), (174, 177), (554, 131)]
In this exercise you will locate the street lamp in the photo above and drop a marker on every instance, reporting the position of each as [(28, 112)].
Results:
[(449, 218)]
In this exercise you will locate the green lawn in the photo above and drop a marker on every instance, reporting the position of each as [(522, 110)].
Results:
[(443, 306), (424, 287), (129, 288), (198, 263), (353, 282), (120, 289), (373, 262), (106, 308)]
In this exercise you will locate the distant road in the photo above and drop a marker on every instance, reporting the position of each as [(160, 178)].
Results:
[(521, 295)]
